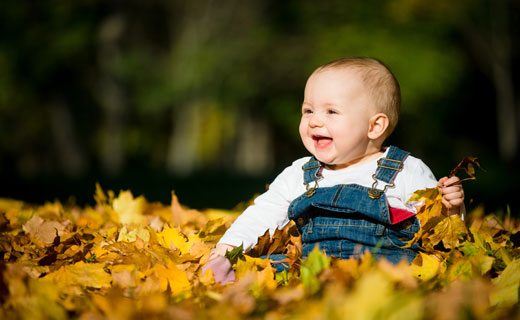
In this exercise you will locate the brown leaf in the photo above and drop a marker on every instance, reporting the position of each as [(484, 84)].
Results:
[(44, 231), (277, 244), (262, 246), (461, 299), (282, 238), (294, 250), (468, 165), (487, 227), (96, 276), (291, 295)]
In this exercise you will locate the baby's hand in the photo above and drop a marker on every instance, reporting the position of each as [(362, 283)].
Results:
[(222, 270), (220, 265), (452, 195), (220, 250)]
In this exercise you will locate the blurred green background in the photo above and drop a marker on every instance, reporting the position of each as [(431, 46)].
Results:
[(203, 97)]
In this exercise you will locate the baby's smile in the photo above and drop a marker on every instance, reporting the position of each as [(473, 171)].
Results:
[(321, 141)]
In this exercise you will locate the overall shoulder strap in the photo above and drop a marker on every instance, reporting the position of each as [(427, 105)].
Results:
[(387, 169), (311, 170)]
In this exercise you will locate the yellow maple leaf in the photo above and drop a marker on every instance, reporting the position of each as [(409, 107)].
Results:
[(10, 204), (435, 227), (131, 236), (207, 278), (81, 274), (461, 269), (426, 266), (506, 286), (174, 277), (481, 263), (371, 291), (29, 298), (249, 264), (214, 214), (199, 249), (128, 209), (172, 238), (100, 196), (429, 213), (181, 216), (428, 197), (401, 272), (261, 272), (449, 230)]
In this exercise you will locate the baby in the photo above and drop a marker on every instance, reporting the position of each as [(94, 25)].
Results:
[(352, 194)]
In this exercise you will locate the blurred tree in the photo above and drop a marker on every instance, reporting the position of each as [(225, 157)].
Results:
[(485, 26), (110, 93), (44, 58), (186, 86)]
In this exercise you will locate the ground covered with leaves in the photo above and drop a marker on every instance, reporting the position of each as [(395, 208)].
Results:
[(126, 258)]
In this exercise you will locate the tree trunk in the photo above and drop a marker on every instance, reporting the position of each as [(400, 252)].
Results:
[(254, 153), (182, 157), (71, 158), (111, 97), (494, 57)]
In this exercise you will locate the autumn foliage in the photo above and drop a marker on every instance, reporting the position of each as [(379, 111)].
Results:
[(127, 258)]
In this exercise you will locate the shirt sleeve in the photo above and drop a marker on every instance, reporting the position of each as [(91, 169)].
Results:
[(420, 177), (268, 212)]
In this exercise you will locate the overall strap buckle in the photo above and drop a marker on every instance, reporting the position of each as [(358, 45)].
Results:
[(312, 172), (387, 170), (392, 165)]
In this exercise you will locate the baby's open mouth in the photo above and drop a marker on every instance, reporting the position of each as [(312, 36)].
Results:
[(321, 141)]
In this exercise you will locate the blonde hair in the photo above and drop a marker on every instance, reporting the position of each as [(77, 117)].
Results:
[(379, 80)]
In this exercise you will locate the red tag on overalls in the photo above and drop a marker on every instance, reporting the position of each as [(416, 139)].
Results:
[(397, 215)]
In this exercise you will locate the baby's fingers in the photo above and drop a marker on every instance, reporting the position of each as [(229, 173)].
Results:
[(451, 189), (457, 194), (450, 181), (453, 198), (440, 184)]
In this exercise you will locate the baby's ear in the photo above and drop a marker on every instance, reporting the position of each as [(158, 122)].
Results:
[(378, 125)]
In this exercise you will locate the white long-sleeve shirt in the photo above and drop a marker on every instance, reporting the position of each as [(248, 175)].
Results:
[(269, 210)]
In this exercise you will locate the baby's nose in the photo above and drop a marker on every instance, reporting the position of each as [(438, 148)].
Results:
[(315, 121)]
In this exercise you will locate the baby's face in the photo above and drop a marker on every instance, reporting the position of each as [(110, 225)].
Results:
[(336, 114)]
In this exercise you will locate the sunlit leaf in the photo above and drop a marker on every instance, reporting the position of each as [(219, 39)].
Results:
[(96, 265), (450, 231), (482, 263), (81, 274), (132, 236), (371, 292), (507, 285), (128, 209), (173, 278), (172, 238), (461, 269), (426, 266)]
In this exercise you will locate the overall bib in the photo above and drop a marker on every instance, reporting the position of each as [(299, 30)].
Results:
[(345, 220)]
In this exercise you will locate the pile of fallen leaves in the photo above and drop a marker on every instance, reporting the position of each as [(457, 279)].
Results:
[(127, 258)]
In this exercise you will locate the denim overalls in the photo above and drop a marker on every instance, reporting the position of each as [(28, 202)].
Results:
[(347, 219)]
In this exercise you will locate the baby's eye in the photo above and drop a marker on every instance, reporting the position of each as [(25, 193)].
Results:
[(306, 111), (331, 111)]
